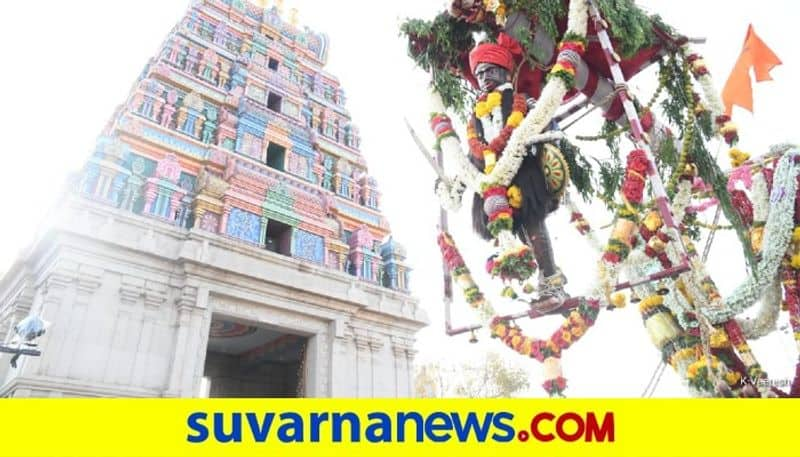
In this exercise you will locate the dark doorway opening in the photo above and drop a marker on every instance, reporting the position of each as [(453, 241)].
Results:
[(276, 156), (249, 361), (278, 237), (274, 102)]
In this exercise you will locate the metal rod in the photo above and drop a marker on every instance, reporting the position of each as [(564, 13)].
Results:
[(436, 164), (584, 114), (457, 331), (10, 350), (668, 273)]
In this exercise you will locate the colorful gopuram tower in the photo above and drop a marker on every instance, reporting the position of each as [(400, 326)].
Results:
[(225, 237)]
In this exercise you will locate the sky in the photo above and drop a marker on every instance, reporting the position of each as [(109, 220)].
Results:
[(67, 65)]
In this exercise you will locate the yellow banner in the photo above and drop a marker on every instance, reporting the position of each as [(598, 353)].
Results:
[(293, 428)]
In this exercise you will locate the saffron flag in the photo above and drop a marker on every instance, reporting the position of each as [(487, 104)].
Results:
[(756, 55)]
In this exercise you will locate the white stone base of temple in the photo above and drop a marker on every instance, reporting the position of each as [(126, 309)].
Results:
[(131, 301)]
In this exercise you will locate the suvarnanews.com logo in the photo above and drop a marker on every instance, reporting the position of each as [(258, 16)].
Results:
[(400, 427)]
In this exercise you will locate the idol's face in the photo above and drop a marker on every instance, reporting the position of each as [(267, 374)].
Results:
[(490, 76)]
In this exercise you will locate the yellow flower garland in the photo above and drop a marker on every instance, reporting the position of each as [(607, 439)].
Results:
[(650, 302), (514, 197)]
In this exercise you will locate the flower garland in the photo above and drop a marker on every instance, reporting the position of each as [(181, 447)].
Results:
[(635, 177), (738, 340), (549, 351), (515, 260), (655, 240), (450, 195), (743, 206), (725, 127), (546, 351), (738, 157), (760, 204), (777, 235), (489, 153), (766, 319), (683, 349), (621, 240), (462, 276), (792, 304), (570, 51), (581, 224), (442, 127)]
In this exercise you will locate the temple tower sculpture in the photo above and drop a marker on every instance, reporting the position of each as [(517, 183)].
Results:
[(224, 239)]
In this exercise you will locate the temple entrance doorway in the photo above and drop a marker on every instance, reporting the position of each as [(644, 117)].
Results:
[(249, 360)]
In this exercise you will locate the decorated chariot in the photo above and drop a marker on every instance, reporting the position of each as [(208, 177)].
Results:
[(518, 72)]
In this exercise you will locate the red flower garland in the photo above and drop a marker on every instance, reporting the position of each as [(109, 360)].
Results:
[(729, 132), (580, 222), (497, 145), (555, 386), (635, 176), (697, 70), (649, 251), (743, 206)]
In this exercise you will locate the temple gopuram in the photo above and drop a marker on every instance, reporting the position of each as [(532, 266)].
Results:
[(225, 237)]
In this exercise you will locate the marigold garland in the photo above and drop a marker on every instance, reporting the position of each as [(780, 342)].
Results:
[(516, 264), (494, 149), (727, 129), (570, 51), (459, 271), (573, 328)]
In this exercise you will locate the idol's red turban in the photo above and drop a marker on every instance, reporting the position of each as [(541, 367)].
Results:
[(500, 54)]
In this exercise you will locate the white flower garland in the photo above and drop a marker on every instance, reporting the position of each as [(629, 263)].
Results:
[(450, 196), (777, 236), (760, 198), (711, 96), (766, 320), (681, 201)]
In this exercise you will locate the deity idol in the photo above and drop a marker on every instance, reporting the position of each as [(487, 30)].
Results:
[(532, 194)]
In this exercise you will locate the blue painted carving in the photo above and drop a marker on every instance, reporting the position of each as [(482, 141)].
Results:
[(301, 142), (344, 187), (308, 246), (308, 114), (390, 275), (187, 182), (359, 214), (90, 178), (252, 11), (342, 97), (141, 166), (115, 192), (238, 75), (244, 225), (174, 143), (253, 121), (366, 268), (327, 176)]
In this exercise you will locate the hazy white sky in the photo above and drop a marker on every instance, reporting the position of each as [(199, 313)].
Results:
[(67, 65)]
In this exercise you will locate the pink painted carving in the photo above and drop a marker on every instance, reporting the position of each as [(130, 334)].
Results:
[(209, 222), (361, 238), (168, 168)]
